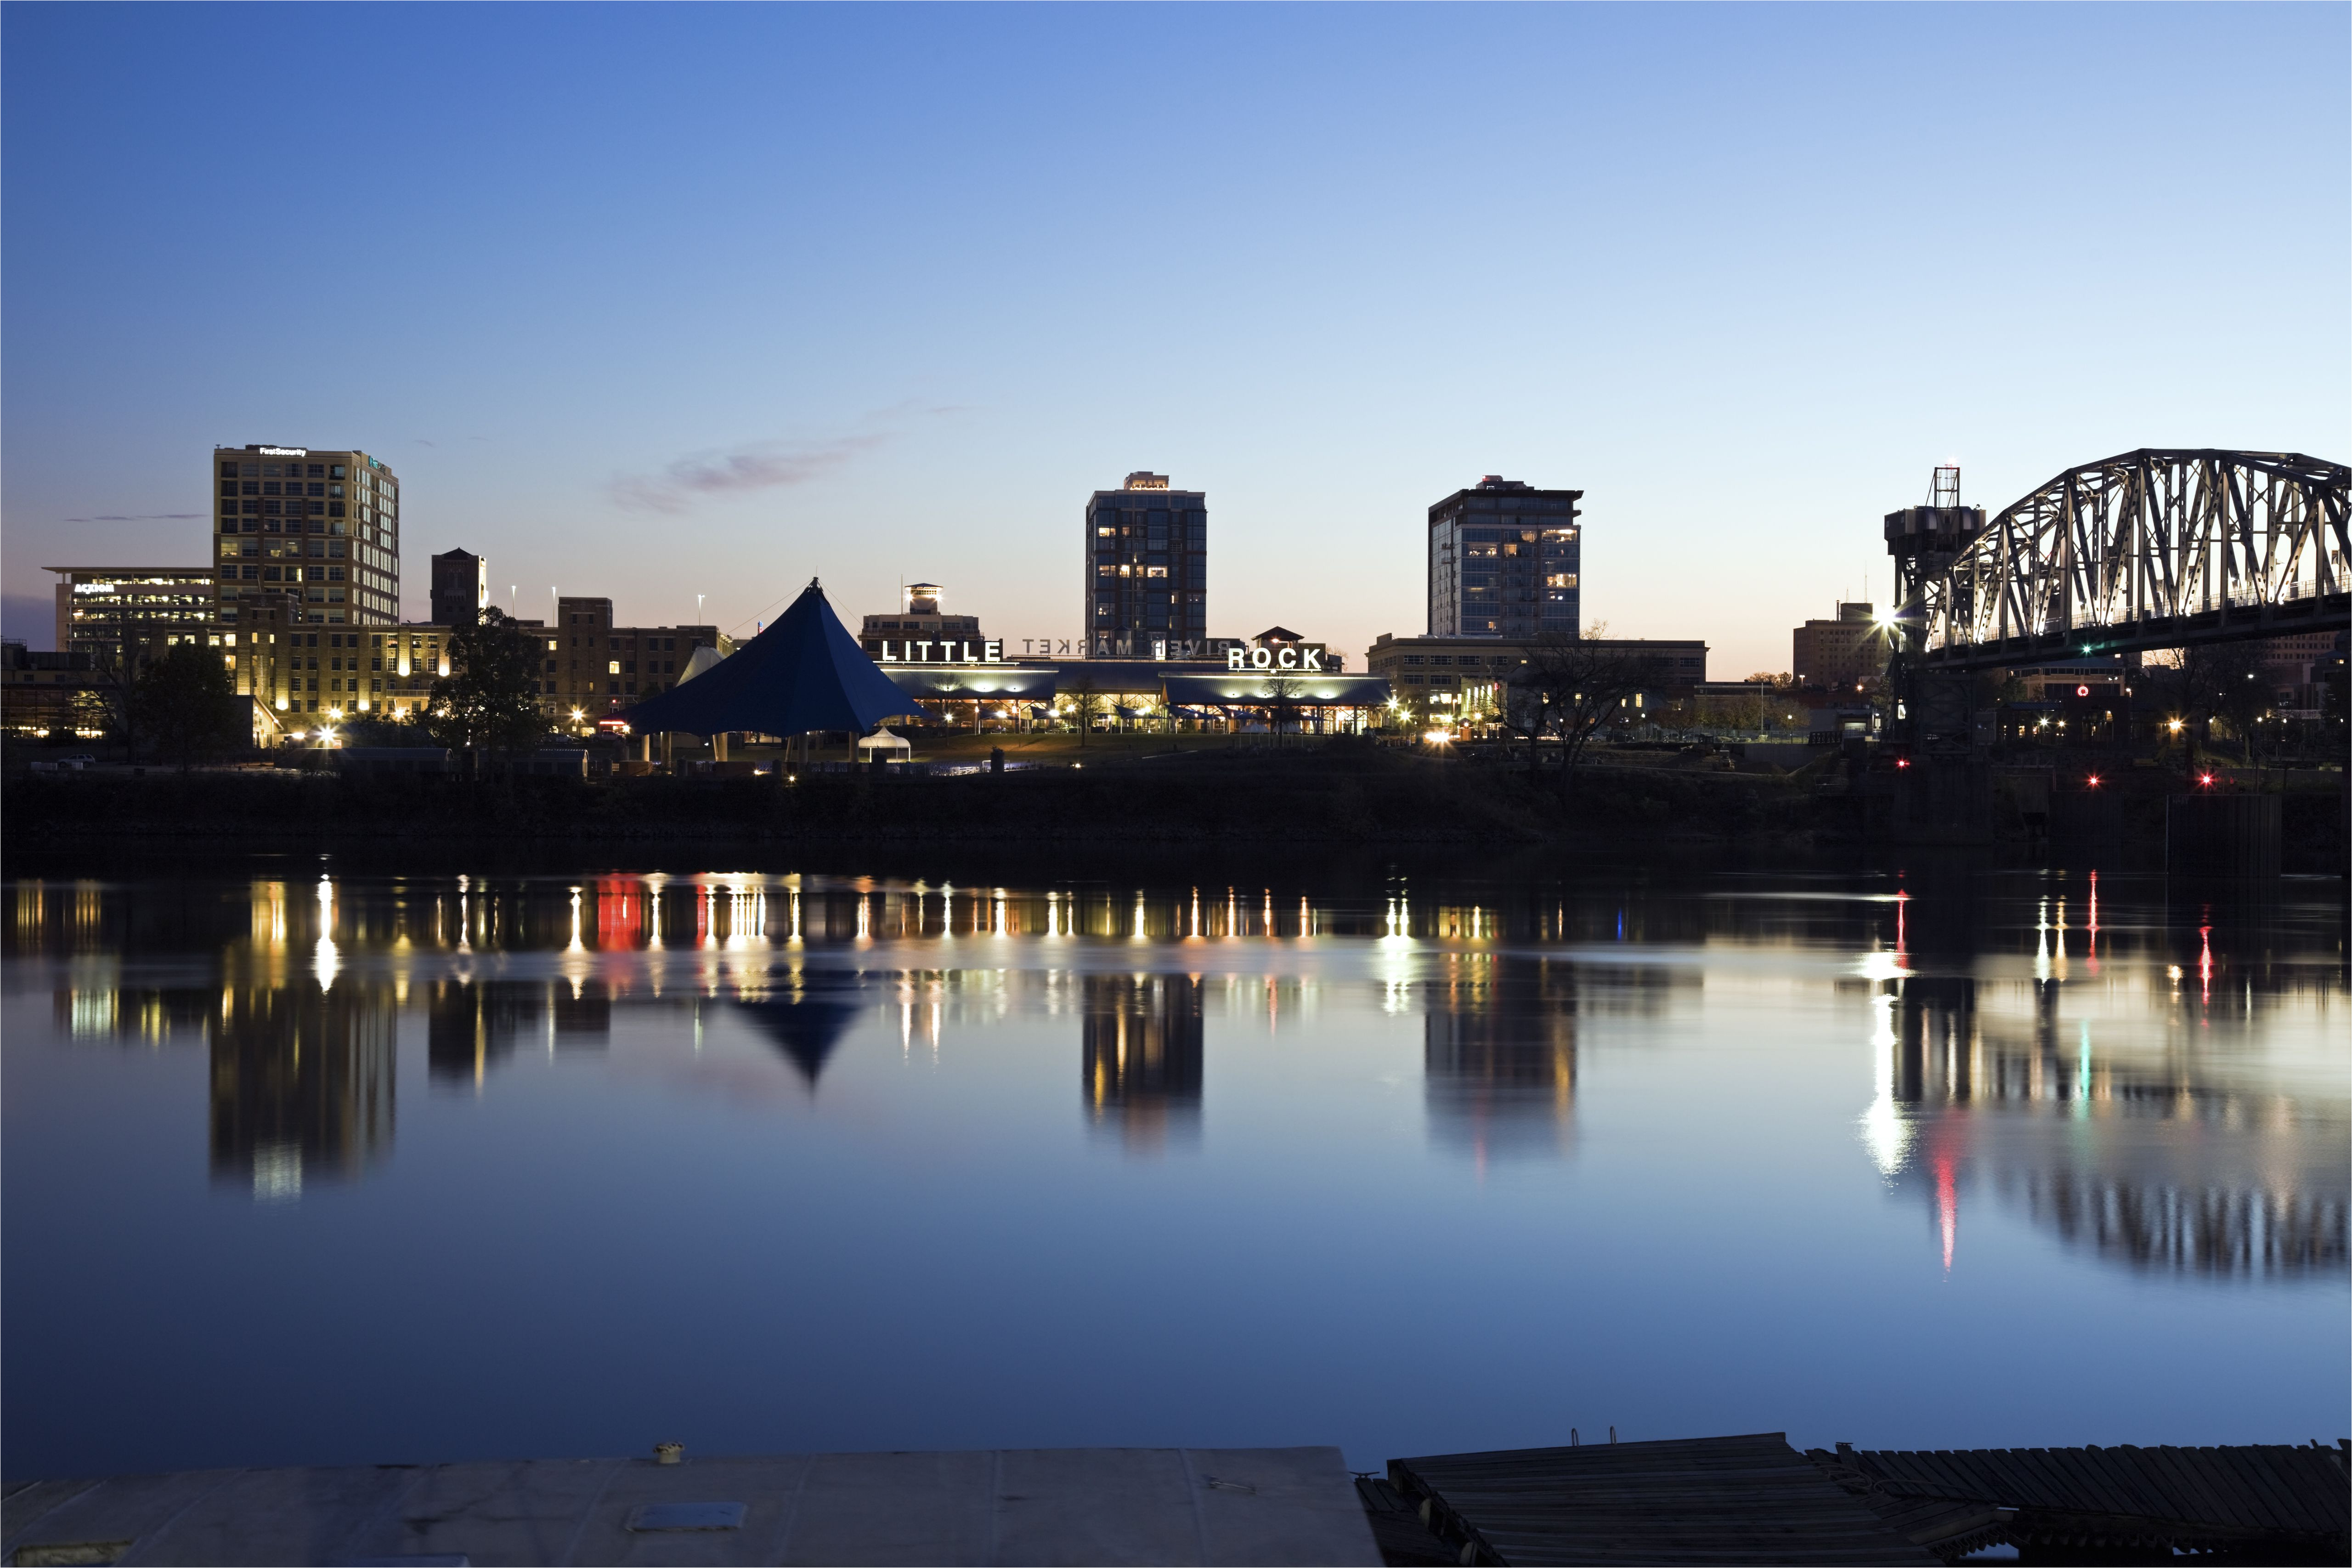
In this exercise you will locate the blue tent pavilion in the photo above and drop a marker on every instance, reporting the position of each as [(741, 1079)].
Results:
[(806, 672)]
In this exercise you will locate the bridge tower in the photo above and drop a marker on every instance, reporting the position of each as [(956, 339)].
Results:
[(1942, 788)]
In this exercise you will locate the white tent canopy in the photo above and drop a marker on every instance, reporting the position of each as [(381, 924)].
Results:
[(883, 740)]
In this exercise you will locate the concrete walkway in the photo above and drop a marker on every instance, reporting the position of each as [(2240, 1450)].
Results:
[(1006, 1506)]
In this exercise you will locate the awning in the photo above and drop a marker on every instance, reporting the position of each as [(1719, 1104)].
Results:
[(1256, 688)]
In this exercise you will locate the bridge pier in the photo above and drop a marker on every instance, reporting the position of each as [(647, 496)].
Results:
[(1942, 785)]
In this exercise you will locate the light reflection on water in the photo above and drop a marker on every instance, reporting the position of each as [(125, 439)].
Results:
[(1660, 1092)]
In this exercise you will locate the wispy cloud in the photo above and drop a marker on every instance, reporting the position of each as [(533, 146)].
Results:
[(757, 465), (760, 466), (145, 516)]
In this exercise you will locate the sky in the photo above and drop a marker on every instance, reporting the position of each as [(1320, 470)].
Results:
[(655, 302)]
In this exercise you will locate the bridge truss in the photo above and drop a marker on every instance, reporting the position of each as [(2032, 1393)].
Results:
[(2149, 549)]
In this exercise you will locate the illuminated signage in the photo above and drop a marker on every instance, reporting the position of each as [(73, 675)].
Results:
[(1300, 658), (286, 451), (992, 651)]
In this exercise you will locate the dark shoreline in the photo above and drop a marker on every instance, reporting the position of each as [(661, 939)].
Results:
[(1362, 807)]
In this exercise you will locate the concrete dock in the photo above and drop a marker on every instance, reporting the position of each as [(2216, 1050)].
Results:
[(1004, 1505)]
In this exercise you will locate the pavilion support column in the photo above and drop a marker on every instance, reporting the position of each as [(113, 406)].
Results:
[(646, 747), (719, 747), (669, 750)]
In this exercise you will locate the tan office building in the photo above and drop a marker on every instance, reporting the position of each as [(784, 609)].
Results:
[(320, 528), (1842, 655), (592, 669)]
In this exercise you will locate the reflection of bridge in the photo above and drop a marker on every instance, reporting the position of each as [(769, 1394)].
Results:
[(2146, 549), (2157, 1162)]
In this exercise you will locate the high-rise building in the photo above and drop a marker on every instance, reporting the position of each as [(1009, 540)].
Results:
[(1503, 561), (1147, 566), (461, 588), (321, 529)]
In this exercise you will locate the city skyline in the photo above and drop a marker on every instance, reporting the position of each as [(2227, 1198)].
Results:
[(638, 322)]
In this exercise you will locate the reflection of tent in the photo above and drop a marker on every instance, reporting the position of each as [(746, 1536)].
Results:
[(806, 672), (883, 743), (808, 1015)]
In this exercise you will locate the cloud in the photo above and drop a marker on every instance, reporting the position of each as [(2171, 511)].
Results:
[(146, 517), (762, 466)]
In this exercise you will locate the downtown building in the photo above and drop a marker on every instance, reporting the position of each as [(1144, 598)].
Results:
[(319, 528), (1147, 570), (1504, 562)]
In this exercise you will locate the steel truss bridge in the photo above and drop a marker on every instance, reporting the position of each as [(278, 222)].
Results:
[(2147, 550)]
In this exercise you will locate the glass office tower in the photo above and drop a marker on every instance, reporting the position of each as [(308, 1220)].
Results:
[(1147, 569), (1503, 561)]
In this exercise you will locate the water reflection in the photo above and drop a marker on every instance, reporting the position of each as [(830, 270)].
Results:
[(303, 1085), (1139, 1046), (2150, 1152), (1498, 1061), (2099, 1063)]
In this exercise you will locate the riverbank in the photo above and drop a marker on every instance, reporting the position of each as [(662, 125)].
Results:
[(1331, 796)]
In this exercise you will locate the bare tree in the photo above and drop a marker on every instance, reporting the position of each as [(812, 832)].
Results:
[(1086, 700), (1280, 703), (1571, 687)]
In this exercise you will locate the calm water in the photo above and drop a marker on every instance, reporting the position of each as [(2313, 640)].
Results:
[(313, 1167)]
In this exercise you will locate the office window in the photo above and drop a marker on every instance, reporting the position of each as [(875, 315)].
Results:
[(318, 471), (335, 471), (612, 666)]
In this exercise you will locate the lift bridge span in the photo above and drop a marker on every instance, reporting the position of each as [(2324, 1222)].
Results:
[(2151, 549)]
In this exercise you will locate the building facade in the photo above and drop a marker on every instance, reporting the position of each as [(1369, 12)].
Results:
[(1845, 654), (594, 669), (110, 612), (46, 693), (320, 528), (1146, 570), (920, 630), (461, 588), (1504, 562), (1440, 675)]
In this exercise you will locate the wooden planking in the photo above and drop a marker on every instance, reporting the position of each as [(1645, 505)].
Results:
[(1750, 1498), (2276, 1488)]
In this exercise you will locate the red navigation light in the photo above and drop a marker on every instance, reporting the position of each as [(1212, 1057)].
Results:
[(2082, 691), (2206, 779), (2095, 781), (1902, 761)]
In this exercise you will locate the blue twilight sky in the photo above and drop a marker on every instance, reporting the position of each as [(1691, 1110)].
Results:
[(655, 301)]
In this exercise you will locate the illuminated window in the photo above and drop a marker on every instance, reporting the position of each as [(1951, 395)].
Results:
[(612, 666)]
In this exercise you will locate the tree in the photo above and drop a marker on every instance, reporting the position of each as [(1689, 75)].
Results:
[(186, 703), (1280, 705), (1088, 702), (2197, 685), (1570, 687), (489, 699)]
